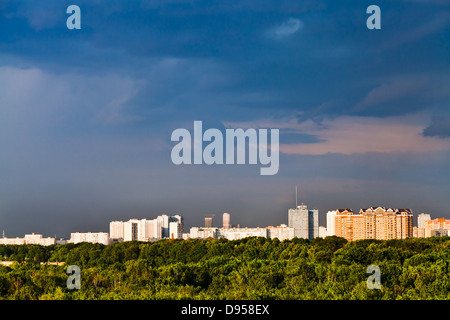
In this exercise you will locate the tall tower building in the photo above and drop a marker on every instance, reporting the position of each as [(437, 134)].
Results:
[(152, 229), (421, 218), (176, 218), (164, 224), (176, 226), (130, 230), (226, 221), (175, 230), (208, 222), (116, 230), (305, 222)]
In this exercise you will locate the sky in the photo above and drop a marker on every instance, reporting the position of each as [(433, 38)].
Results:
[(86, 115)]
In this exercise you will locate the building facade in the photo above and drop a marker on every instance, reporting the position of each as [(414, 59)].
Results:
[(305, 222), (163, 226), (322, 232), (209, 222), (29, 239), (331, 220), (92, 237), (226, 221), (175, 230), (282, 232), (418, 232), (437, 227), (374, 223), (240, 233), (422, 218), (203, 233), (130, 230), (116, 229)]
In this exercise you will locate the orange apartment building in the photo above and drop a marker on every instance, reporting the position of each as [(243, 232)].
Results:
[(374, 223)]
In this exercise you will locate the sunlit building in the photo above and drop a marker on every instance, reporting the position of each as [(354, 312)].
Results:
[(203, 233), (226, 221), (208, 222), (418, 232), (422, 218), (175, 230), (374, 223), (322, 231), (163, 226), (29, 239), (130, 229), (282, 232), (240, 233), (116, 230), (331, 221), (92, 237), (305, 222), (437, 227)]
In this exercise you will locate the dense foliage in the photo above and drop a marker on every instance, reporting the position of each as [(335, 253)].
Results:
[(251, 268)]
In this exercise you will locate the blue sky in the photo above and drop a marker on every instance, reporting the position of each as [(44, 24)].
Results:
[(86, 115)]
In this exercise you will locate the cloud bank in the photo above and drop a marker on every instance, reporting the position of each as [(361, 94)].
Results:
[(355, 135)]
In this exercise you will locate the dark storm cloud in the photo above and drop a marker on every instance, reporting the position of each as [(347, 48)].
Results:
[(300, 70), (439, 127)]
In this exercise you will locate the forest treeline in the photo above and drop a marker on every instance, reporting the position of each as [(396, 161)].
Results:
[(250, 268)]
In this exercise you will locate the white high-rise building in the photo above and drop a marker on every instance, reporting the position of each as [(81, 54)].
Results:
[(331, 222), (142, 231), (305, 222), (164, 223), (421, 218), (146, 230), (116, 230), (226, 221), (175, 230), (176, 218), (180, 225), (153, 229), (130, 230)]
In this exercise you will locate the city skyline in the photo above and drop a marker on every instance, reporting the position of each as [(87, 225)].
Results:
[(318, 223), (377, 222), (86, 115)]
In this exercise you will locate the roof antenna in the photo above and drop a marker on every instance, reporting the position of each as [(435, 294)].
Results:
[(296, 196)]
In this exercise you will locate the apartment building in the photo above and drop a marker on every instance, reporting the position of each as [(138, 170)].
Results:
[(374, 223)]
